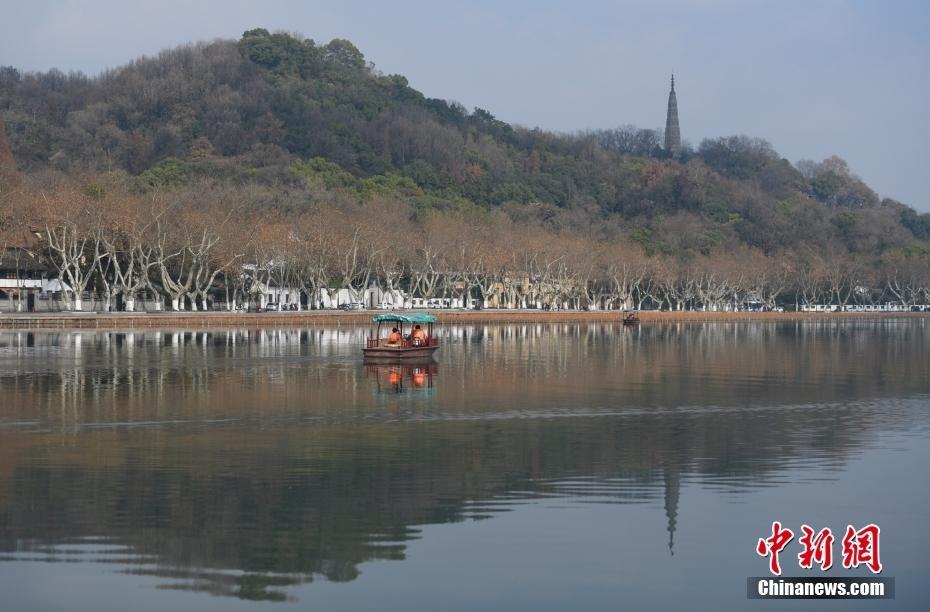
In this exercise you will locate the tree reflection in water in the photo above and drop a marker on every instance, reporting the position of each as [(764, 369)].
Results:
[(242, 462)]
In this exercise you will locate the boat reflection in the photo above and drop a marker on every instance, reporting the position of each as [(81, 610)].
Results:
[(403, 377)]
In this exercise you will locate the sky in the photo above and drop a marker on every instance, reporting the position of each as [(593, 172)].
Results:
[(815, 78)]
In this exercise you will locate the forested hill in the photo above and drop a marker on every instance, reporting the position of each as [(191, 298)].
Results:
[(280, 111)]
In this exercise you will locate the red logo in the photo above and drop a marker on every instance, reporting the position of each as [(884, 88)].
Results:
[(817, 548), (860, 547), (771, 546)]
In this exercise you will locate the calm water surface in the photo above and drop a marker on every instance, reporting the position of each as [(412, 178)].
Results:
[(533, 467)]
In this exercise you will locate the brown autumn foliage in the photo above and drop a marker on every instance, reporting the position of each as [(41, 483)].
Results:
[(207, 246)]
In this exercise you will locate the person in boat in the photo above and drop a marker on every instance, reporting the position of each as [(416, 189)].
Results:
[(418, 336), (394, 338)]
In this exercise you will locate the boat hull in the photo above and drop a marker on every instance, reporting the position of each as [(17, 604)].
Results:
[(389, 353)]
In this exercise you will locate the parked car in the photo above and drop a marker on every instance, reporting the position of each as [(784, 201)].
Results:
[(272, 307), (387, 306), (351, 306)]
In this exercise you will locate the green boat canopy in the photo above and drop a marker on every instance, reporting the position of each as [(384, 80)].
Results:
[(412, 317)]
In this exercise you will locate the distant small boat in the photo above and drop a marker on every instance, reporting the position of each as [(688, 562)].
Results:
[(402, 346), (631, 318)]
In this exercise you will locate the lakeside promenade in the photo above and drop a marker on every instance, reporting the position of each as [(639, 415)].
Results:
[(191, 320)]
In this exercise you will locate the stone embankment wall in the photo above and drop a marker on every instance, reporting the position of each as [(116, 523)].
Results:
[(333, 318)]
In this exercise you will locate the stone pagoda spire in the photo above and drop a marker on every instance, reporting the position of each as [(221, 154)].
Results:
[(672, 131)]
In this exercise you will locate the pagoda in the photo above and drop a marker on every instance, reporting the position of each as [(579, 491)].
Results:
[(672, 131)]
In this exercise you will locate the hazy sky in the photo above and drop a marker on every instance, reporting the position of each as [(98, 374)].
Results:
[(813, 77)]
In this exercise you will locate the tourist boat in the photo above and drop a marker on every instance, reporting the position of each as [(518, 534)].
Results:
[(408, 348), (631, 318)]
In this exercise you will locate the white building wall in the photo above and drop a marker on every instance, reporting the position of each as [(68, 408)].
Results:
[(22, 283), (369, 298), (284, 297)]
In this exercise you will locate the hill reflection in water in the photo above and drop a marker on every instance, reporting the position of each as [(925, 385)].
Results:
[(241, 463)]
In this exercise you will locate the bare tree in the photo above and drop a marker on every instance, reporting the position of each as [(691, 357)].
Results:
[(73, 230)]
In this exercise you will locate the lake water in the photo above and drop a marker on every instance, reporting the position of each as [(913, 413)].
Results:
[(533, 467)]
